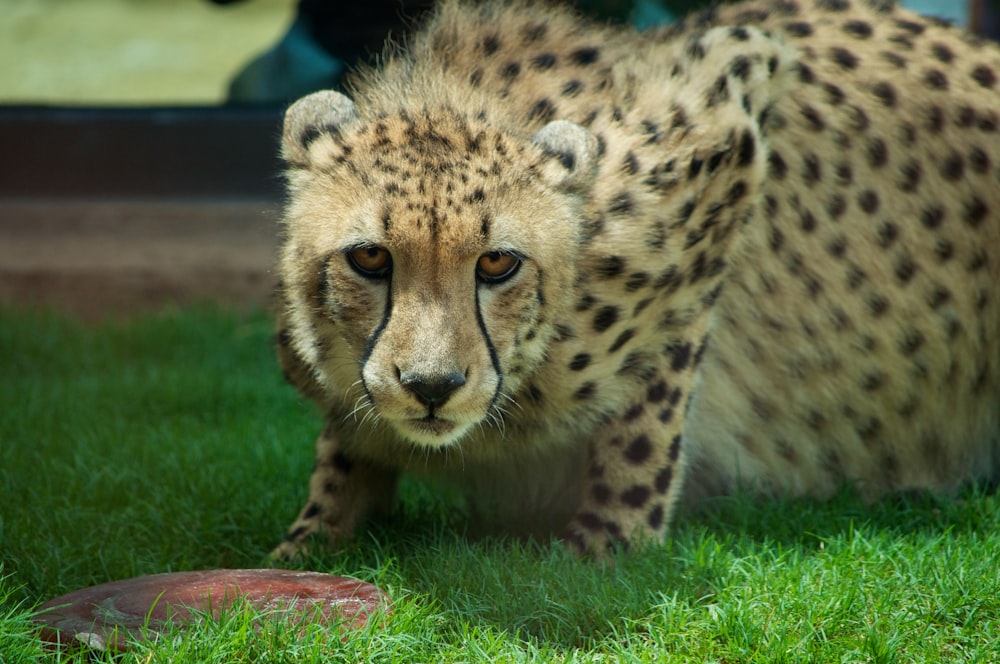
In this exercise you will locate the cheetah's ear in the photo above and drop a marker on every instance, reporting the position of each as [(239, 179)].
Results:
[(572, 152), (325, 112)]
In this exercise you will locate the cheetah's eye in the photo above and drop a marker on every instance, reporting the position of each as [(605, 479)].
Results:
[(371, 262), (497, 266)]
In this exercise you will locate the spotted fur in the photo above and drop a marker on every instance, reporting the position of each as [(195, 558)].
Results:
[(758, 248)]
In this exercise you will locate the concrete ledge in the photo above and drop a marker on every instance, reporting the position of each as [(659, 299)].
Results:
[(101, 258)]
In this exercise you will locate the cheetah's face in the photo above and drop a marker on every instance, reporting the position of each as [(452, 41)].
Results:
[(436, 254)]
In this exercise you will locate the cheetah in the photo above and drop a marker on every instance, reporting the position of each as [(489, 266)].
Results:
[(585, 274)]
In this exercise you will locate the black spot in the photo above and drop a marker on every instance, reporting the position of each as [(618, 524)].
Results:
[(609, 267), (806, 74), (580, 362), (868, 201), (622, 339), (719, 92), (736, 192), (511, 71), (836, 207), (813, 118), (837, 247), (873, 381), (572, 88), (912, 27), (799, 29), (543, 110), (634, 413), (746, 150), (655, 517), (878, 153), (905, 269), (944, 250), (639, 450), (621, 204), (311, 510), (740, 67), (912, 174), (296, 533), (606, 317), (859, 29), (886, 234), (931, 217), (984, 76), (585, 391), (680, 356), (886, 93), (834, 5), (777, 166), (953, 167), (912, 340), (656, 392), (662, 481), (975, 212), (859, 119), (590, 521), (936, 79), (894, 59), (869, 429), (669, 280), (636, 497), (601, 493), (942, 52), (776, 239), (635, 281), (935, 119), (585, 56), (978, 160), (674, 398), (811, 169), (695, 167), (491, 44), (543, 61), (686, 211), (844, 57), (739, 33), (938, 296), (696, 50), (807, 221)]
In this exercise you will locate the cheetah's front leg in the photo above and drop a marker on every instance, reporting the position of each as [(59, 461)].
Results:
[(342, 492), (635, 470)]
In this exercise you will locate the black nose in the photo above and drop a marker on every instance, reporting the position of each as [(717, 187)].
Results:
[(431, 391)]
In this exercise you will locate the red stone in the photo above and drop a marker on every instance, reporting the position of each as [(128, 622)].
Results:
[(104, 616)]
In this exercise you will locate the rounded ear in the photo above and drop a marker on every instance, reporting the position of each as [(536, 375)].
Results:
[(572, 154), (325, 112)]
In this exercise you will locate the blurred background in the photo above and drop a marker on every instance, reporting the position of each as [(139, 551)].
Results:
[(205, 52), (138, 138)]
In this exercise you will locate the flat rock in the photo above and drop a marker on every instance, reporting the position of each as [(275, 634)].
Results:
[(109, 615)]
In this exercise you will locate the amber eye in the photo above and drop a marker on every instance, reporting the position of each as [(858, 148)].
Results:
[(371, 262), (497, 266)]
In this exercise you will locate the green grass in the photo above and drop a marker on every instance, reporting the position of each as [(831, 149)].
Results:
[(170, 443)]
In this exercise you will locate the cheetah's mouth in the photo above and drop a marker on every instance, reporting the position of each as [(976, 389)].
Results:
[(432, 424)]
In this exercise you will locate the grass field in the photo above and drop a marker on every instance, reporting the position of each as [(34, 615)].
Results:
[(169, 442)]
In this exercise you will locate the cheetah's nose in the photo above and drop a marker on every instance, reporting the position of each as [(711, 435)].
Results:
[(432, 391)]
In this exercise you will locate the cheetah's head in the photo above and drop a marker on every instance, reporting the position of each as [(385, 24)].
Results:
[(428, 257)]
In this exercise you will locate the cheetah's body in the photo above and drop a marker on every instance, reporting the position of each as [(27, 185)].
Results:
[(811, 186)]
